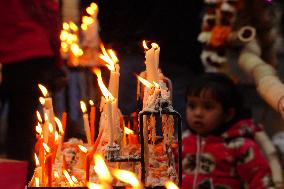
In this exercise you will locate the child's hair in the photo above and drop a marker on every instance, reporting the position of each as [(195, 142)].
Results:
[(220, 87)]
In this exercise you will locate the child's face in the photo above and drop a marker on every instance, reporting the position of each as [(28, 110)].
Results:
[(204, 114)]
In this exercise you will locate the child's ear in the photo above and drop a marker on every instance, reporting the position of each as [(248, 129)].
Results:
[(230, 114)]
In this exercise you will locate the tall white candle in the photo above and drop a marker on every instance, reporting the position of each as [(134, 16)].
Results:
[(86, 122)]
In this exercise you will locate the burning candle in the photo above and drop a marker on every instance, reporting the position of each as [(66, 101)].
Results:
[(92, 120), (86, 122), (48, 164), (152, 56), (87, 161), (171, 185), (103, 172), (68, 177), (109, 100)]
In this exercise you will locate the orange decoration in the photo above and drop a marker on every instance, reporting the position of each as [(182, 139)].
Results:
[(219, 35)]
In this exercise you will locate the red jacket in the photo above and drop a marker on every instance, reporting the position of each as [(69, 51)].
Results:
[(29, 29), (231, 160)]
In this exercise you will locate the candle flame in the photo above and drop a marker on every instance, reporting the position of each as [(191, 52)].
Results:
[(41, 100), (101, 168), (156, 85), (84, 27), (50, 127), (68, 177), (109, 57), (128, 131), (91, 185), (65, 26), (38, 129), (145, 45), (46, 147), (36, 159), (55, 174), (45, 117), (108, 96), (127, 177), (75, 180), (64, 35), (91, 103), (83, 148), (56, 136), (145, 82), (171, 185), (83, 106), (36, 182), (43, 90), (73, 26), (92, 9), (59, 125), (87, 20), (38, 116), (76, 50), (155, 45)]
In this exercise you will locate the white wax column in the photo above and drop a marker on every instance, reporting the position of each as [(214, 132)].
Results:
[(113, 86), (157, 58), (48, 109), (45, 131), (110, 120), (87, 128), (152, 74)]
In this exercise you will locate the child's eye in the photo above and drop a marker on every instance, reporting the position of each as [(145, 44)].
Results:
[(191, 105), (208, 106)]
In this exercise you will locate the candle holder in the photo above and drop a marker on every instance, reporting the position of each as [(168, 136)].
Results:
[(112, 152), (166, 110)]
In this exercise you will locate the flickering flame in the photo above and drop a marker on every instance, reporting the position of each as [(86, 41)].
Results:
[(128, 131), (109, 57), (56, 136), (91, 185), (38, 116), (91, 103), (76, 50), (68, 177), (75, 180), (171, 185), (65, 26), (59, 125), (92, 9), (156, 85), (43, 90), (56, 175), (84, 27), (127, 177), (64, 46), (145, 45), (87, 20), (64, 35), (73, 26), (83, 148), (101, 168), (45, 117), (41, 100), (36, 160), (83, 106), (36, 182), (108, 96), (50, 127), (46, 147), (38, 129), (145, 82), (155, 45)]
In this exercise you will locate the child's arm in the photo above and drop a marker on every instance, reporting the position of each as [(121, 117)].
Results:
[(252, 166)]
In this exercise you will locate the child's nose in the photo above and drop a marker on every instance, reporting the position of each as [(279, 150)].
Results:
[(198, 111)]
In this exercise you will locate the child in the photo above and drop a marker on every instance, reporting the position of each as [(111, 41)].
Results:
[(220, 151)]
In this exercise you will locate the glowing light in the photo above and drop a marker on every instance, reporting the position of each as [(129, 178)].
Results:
[(50, 127), (41, 100), (145, 45), (59, 125), (171, 185), (38, 128), (36, 159), (145, 82), (156, 85), (83, 148), (68, 177), (38, 116), (127, 177), (83, 106), (73, 26), (43, 90), (128, 131), (108, 96), (101, 168), (109, 57), (91, 102), (65, 26), (91, 185), (46, 147), (36, 182)]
